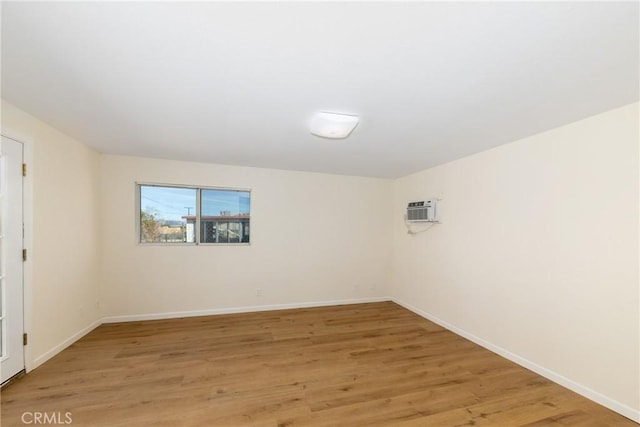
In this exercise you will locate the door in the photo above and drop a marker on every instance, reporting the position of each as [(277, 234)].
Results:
[(11, 260)]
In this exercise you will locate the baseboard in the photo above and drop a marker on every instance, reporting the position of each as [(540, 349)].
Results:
[(235, 310), (603, 400), (64, 344)]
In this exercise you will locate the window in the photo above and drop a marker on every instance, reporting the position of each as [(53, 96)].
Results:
[(174, 214), (224, 216)]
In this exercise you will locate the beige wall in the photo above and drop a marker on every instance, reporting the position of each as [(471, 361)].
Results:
[(537, 253), (314, 238), (62, 271)]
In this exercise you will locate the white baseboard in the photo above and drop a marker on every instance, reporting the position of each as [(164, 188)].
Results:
[(603, 400), (58, 348), (234, 310)]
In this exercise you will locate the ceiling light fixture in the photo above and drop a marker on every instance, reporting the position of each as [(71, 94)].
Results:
[(333, 125)]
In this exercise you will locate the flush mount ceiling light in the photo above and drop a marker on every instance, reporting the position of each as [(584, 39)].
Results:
[(333, 125)]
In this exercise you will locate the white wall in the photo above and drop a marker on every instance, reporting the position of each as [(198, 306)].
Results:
[(62, 270), (314, 238), (537, 253)]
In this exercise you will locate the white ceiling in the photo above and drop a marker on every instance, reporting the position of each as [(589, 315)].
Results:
[(237, 82)]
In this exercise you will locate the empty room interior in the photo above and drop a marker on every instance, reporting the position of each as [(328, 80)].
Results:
[(320, 213)]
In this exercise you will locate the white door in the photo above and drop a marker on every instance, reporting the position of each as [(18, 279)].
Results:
[(11, 267)]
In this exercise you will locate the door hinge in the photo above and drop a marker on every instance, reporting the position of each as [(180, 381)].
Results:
[(24, 339), (24, 169), (24, 255)]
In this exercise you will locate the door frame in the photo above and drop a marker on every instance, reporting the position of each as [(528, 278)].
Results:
[(27, 219)]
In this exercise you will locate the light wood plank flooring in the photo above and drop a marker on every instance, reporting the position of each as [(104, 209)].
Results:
[(354, 365)]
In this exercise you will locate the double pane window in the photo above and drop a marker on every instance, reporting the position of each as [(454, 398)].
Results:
[(174, 214)]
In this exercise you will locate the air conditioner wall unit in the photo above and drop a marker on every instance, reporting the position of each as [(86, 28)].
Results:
[(422, 211)]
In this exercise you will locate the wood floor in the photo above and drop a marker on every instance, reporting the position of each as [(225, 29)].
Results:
[(354, 365)]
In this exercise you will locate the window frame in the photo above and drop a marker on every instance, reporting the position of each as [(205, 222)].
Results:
[(197, 231)]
